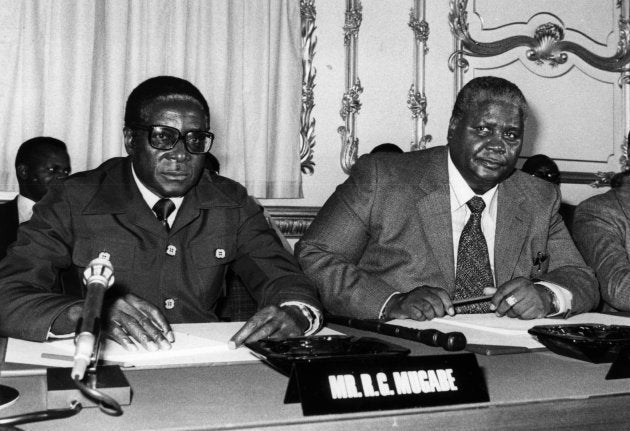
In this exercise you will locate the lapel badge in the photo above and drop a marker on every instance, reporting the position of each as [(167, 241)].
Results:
[(219, 253)]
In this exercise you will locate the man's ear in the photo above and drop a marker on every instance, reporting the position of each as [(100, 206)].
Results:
[(22, 171), (452, 124), (128, 139)]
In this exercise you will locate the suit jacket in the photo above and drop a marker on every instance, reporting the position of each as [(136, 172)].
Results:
[(388, 229), (601, 229), (9, 223), (182, 271)]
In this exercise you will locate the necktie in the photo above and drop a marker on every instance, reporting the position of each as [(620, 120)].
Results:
[(162, 209), (473, 264)]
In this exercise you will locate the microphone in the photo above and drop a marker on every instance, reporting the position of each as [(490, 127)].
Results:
[(97, 277)]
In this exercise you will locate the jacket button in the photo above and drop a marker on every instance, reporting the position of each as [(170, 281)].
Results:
[(219, 253), (169, 303), (171, 250)]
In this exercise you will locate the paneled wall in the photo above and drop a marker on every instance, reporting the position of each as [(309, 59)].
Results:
[(577, 110)]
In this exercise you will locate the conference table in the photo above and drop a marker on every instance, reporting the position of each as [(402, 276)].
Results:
[(533, 390)]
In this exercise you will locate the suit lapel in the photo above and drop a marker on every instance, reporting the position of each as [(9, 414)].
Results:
[(435, 214), (513, 220), (122, 197)]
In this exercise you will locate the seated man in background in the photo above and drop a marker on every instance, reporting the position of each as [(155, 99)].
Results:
[(601, 230), (546, 169), (39, 161), (171, 229), (407, 234)]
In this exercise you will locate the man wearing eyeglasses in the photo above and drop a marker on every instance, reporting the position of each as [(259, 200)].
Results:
[(171, 229)]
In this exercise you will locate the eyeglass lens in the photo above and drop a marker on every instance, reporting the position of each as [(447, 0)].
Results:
[(165, 138)]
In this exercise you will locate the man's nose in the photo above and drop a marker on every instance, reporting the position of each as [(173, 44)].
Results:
[(495, 143), (179, 151)]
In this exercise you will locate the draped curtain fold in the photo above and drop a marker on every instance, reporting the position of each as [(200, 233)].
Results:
[(69, 66)]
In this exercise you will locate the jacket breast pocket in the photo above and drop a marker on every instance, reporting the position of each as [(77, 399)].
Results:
[(213, 251)]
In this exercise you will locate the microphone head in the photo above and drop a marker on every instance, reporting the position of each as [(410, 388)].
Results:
[(99, 271)]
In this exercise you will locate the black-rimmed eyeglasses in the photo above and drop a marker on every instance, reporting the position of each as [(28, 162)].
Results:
[(166, 137)]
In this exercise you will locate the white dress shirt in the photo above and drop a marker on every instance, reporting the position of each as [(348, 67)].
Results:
[(25, 208)]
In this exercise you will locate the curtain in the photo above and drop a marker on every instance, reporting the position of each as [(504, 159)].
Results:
[(69, 66)]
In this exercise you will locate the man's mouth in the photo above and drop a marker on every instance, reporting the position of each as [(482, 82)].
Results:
[(491, 163)]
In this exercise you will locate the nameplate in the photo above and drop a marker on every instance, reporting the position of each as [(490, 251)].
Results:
[(384, 383)]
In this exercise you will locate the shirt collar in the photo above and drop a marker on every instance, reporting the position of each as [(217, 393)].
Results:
[(25, 208), (149, 197), (461, 191)]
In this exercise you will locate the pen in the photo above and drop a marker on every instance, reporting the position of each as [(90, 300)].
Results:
[(473, 300)]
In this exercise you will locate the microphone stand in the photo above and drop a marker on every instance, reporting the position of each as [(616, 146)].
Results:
[(87, 383)]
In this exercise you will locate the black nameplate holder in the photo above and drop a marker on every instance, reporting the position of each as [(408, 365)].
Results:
[(326, 386)]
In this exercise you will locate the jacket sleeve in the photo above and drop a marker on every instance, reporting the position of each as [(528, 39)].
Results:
[(268, 270), (331, 250), (30, 273), (599, 230), (567, 267)]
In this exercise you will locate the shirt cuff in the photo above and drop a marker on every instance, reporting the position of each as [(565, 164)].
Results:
[(563, 296), (381, 314), (312, 314)]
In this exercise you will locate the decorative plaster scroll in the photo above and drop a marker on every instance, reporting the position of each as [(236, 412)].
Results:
[(548, 46), (307, 124), (417, 99), (350, 103), (292, 221)]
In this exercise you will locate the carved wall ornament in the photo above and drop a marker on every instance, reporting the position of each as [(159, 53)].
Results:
[(350, 102), (417, 98), (307, 124), (548, 46)]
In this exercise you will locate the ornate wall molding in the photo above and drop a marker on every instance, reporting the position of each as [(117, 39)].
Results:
[(350, 103), (547, 46), (307, 124), (417, 99), (292, 221)]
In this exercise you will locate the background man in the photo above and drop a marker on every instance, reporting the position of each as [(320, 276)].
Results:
[(601, 229), (169, 262), (39, 161), (546, 169), (408, 233)]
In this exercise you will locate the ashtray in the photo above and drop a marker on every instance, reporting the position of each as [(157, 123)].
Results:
[(589, 342), (282, 354)]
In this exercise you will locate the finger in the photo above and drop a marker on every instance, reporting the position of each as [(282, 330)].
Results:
[(433, 306), (532, 312), (155, 333), (507, 303), (288, 328), (138, 333), (505, 291), (489, 290), (415, 312), (263, 331), (156, 316), (445, 303), (117, 334), (256, 321)]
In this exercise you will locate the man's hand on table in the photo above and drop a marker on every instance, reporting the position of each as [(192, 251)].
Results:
[(522, 298), (130, 317), (271, 322), (421, 303)]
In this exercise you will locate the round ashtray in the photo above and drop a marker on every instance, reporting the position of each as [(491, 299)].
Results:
[(589, 342)]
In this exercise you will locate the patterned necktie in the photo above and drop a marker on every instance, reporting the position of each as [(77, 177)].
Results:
[(162, 209), (473, 264)]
